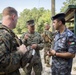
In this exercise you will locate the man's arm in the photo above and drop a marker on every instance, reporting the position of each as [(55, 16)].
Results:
[(8, 57), (71, 46), (65, 55), (62, 55), (40, 45), (24, 38)]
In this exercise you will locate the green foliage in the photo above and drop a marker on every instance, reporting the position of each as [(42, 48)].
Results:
[(64, 8), (40, 16), (21, 25), (0, 16), (66, 3)]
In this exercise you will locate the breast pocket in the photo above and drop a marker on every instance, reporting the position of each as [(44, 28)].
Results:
[(62, 43), (36, 40)]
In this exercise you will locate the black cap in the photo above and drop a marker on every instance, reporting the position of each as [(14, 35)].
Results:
[(30, 22), (58, 16)]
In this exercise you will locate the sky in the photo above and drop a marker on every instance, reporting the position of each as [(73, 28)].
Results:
[(20, 5)]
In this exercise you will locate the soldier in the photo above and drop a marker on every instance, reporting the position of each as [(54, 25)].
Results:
[(47, 36), (34, 40), (64, 48), (11, 51)]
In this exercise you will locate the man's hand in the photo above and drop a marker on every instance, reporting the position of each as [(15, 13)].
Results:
[(53, 52), (34, 46), (26, 36), (22, 49), (48, 53)]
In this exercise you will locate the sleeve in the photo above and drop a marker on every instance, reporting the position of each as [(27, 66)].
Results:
[(51, 36), (23, 40), (40, 44), (71, 44), (6, 55)]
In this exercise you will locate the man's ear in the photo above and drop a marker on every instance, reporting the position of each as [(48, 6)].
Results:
[(13, 16), (60, 22)]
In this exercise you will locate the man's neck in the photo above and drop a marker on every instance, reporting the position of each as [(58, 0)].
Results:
[(31, 32), (62, 29), (6, 22), (7, 25)]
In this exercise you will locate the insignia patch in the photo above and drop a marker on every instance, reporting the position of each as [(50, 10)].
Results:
[(71, 43)]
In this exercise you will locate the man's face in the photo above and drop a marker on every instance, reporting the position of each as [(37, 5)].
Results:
[(56, 24), (31, 28), (47, 27), (14, 22), (16, 18)]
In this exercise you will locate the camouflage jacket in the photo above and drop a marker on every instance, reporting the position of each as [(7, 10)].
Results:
[(34, 38), (64, 42), (9, 56), (47, 38)]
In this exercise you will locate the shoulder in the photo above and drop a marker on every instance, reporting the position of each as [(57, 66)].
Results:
[(69, 33), (23, 34), (55, 33), (4, 35), (36, 33), (5, 31), (49, 32)]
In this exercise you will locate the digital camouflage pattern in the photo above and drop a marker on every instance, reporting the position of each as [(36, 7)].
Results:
[(34, 38), (9, 56), (47, 37), (64, 42), (27, 57)]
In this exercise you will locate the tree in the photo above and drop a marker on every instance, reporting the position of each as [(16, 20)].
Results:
[(21, 25), (53, 10), (64, 8), (40, 16), (66, 3), (0, 16), (45, 18)]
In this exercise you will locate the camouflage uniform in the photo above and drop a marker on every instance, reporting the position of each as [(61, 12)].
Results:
[(64, 42), (47, 36), (9, 56), (34, 38)]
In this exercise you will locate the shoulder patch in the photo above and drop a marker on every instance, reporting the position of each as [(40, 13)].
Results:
[(69, 34)]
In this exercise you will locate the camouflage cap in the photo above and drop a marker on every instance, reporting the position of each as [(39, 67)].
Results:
[(30, 22)]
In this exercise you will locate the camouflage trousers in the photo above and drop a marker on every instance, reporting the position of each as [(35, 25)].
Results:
[(46, 57), (36, 64), (60, 71)]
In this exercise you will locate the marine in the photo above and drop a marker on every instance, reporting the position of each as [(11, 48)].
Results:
[(34, 40), (11, 51), (47, 38)]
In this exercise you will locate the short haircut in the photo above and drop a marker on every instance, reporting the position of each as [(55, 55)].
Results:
[(9, 11), (62, 20), (59, 17)]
